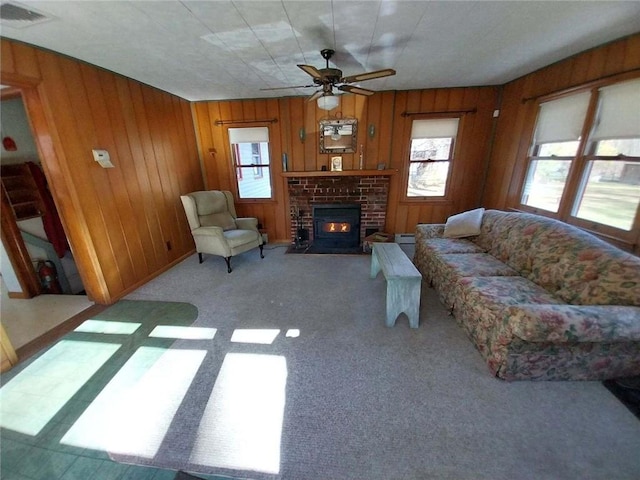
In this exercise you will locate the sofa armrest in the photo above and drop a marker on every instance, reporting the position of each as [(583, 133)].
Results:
[(247, 223), (429, 230), (575, 323)]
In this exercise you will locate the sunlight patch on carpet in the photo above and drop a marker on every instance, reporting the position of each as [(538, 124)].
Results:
[(133, 412), (262, 336), (33, 397), (242, 424), (107, 327), (185, 333)]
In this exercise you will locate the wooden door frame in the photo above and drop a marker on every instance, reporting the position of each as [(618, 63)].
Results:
[(11, 237), (17, 252)]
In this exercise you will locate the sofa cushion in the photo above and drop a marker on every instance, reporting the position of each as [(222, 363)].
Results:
[(601, 277), (429, 250), (475, 265), (465, 224), (499, 292), (575, 323), (451, 245), (483, 311), (584, 270), (447, 269)]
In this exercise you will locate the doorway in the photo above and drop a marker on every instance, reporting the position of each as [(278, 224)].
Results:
[(32, 236)]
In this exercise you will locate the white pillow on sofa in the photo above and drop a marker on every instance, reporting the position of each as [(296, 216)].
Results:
[(465, 224)]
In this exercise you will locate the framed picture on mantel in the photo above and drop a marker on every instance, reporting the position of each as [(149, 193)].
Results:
[(336, 164)]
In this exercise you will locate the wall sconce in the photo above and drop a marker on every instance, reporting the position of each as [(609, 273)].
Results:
[(302, 134), (372, 130)]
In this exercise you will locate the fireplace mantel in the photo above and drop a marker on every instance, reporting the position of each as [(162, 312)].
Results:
[(344, 173)]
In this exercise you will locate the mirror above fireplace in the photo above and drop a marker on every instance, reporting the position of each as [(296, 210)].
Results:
[(338, 135)]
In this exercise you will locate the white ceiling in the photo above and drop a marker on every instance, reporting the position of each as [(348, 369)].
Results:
[(215, 50)]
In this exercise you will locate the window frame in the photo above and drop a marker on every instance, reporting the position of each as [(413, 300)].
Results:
[(580, 166), (238, 171), (454, 150)]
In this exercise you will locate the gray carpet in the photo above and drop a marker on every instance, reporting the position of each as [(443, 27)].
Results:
[(362, 401)]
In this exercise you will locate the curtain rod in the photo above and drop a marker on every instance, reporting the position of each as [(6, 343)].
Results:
[(580, 86), (444, 112), (228, 122)]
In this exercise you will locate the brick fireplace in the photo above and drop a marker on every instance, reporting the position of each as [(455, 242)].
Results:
[(369, 191)]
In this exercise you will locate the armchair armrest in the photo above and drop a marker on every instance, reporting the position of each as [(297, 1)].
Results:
[(211, 231), (575, 323), (247, 223)]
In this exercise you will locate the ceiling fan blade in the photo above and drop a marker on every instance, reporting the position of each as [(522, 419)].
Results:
[(361, 77), (311, 70), (318, 94), (294, 86), (356, 90)]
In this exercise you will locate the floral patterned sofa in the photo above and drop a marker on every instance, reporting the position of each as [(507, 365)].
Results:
[(541, 300)]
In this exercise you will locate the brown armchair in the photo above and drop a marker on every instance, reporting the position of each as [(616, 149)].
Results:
[(216, 228)]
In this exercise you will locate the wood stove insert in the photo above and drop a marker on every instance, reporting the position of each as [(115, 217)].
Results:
[(336, 227)]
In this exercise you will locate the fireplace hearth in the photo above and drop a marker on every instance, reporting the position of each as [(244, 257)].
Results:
[(336, 228)]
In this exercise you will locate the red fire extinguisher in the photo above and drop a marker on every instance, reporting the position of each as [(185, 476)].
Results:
[(48, 277)]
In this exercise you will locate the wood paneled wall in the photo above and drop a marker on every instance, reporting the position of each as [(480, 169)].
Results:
[(517, 117), (125, 224), (120, 222), (296, 133)]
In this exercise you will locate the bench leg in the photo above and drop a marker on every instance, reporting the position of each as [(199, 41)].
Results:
[(375, 264), (403, 295)]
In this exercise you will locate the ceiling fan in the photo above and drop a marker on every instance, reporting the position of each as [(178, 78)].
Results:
[(327, 78)]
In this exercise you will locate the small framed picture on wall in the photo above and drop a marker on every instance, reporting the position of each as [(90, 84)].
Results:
[(336, 164)]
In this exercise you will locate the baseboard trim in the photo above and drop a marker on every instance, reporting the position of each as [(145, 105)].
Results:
[(19, 295)]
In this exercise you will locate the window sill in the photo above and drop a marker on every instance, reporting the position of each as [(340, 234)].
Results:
[(438, 200), (256, 200)]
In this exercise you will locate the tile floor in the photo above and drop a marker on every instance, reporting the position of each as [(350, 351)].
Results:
[(43, 398), (26, 319)]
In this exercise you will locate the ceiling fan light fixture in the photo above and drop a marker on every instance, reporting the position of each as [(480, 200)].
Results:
[(328, 102)]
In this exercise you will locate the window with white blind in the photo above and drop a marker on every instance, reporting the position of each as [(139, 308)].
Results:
[(584, 162), (431, 156), (251, 161), (609, 190), (555, 146)]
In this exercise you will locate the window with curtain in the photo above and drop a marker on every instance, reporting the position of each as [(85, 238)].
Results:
[(431, 156), (592, 181), (250, 156)]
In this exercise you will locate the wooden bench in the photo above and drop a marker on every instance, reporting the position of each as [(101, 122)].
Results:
[(403, 282)]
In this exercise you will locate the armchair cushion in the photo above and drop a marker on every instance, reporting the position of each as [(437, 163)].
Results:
[(213, 210), (223, 220)]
